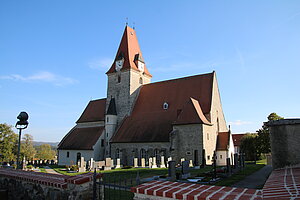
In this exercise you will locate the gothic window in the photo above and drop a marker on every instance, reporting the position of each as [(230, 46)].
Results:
[(143, 153), (207, 136), (117, 153), (208, 157), (119, 79), (220, 156), (102, 142), (78, 157), (68, 154), (107, 119), (141, 80)]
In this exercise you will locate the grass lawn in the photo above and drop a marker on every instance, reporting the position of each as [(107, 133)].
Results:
[(42, 169), (248, 170)]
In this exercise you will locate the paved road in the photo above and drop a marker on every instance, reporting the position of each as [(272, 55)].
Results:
[(49, 170), (255, 180)]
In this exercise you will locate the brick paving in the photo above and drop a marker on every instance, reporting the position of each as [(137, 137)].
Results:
[(282, 184)]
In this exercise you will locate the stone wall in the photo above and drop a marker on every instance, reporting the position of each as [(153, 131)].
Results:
[(188, 143), (285, 142), (129, 151), (34, 185)]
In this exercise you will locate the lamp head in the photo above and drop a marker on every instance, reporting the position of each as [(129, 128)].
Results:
[(22, 117)]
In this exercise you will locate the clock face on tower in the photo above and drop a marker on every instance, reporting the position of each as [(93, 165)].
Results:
[(141, 66), (119, 64)]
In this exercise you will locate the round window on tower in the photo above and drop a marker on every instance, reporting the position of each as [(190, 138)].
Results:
[(165, 106)]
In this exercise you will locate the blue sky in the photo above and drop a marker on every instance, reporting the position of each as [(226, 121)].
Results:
[(54, 55)]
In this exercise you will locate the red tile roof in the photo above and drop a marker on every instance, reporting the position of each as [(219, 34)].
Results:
[(94, 111), (150, 122), (237, 139), (223, 140), (129, 47), (81, 138), (192, 114)]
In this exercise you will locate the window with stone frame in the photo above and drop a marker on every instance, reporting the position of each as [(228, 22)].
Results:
[(117, 153), (143, 153)]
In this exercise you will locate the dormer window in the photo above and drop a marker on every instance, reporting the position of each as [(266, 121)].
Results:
[(165, 106)]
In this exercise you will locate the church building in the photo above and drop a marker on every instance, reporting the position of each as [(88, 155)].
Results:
[(178, 118)]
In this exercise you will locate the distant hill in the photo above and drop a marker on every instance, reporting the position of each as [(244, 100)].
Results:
[(53, 144)]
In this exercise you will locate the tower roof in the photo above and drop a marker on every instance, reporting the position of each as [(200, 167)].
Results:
[(129, 50), (112, 107)]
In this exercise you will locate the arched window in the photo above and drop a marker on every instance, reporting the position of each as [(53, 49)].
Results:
[(117, 153), (119, 79), (141, 80), (78, 157), (143, 153)]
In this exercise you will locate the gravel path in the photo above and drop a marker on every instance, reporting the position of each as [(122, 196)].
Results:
[(49, 170), (255, 180)]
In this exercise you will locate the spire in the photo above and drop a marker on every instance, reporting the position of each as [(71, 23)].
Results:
[(112, 107), (129, 50)]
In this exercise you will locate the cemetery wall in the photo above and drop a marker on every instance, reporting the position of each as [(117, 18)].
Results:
[(285, 140), (72, 159)]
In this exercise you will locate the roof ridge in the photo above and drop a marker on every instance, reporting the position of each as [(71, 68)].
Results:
[(178, 79)]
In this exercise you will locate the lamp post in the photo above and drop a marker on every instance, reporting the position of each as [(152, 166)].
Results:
[(21, 124)]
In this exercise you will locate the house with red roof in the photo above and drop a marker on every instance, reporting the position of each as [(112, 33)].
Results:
[(176, 119)]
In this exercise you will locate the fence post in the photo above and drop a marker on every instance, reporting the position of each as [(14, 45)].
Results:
[(94, 185), (137, 178)]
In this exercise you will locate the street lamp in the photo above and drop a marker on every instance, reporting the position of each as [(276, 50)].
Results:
[(21, 124)]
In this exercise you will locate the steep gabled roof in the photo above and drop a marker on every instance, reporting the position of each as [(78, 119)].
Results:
[(237, 139), (112, 110), (129, 49), (81, 138), (192, 114), (150, 122), (223, 140), (94, 111)]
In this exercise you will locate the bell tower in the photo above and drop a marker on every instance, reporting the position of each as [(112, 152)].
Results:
[(126, 75)]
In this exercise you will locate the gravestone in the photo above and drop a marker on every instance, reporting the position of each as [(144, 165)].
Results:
[(150, 162), (191, 163), (112, 163), (185, 169), (143, 162), (172, 170), (99, 164), (162, 163), (181, 160), (118, 163), (135, 162), (154, 165), (107, 164), (82, 165), (91, 164)]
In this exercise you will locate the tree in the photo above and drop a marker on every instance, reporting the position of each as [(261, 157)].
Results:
[(27, 148), (249, 146), (263, 139), (44, 152), (8, 143)]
